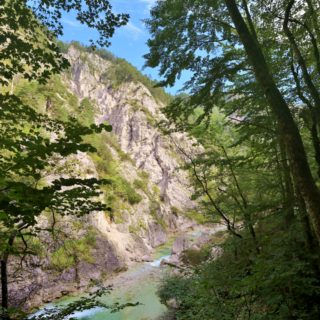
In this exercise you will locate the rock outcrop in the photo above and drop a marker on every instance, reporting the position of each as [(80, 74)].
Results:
[(139, 149), (133, 112)]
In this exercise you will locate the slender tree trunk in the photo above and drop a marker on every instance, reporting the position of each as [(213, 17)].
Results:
[(316, 144), (310, 240), (314, 117), (308, 234), (76, 269), (314, 17), (301, 61), (4, 278), (245, 207), (4, 286), (288, 185), (288, 129)]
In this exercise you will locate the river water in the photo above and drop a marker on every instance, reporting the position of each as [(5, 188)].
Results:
[(138, 284)]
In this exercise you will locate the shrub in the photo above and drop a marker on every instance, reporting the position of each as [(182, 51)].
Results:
[(278, 283), (73, 251), (196, 216)]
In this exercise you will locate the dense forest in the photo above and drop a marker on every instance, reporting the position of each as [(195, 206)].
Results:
[(258, 63), (252, 111)]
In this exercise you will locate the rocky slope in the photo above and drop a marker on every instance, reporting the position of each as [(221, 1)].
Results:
[(133, 111), (150, 191)]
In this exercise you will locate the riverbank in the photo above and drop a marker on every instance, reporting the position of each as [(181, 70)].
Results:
[(138, 284)]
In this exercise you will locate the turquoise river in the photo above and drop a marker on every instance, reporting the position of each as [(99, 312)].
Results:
[(138, 284)]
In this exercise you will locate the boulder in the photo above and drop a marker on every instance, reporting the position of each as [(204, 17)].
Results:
[(172, 303), (146, 258), (180, 244), (216, 252)]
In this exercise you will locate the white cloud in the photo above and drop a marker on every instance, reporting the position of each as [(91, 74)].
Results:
[(72, 23), (133, 30), (149, 3)]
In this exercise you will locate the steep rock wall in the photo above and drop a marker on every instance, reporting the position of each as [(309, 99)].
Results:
[(142, 154), (133, 112)]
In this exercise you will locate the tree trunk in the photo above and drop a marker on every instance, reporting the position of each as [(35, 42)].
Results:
[(4, 287), (314, 17), (288, 186), (299, 165), (301, 61), (316, 144), (4, 277), (308, 234), (245, 209), (313, 114), (76, 269), (311, 243)]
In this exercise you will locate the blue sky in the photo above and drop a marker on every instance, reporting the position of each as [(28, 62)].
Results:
[(129, 42)]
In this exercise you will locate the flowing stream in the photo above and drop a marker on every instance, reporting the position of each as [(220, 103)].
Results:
[(138, 284)]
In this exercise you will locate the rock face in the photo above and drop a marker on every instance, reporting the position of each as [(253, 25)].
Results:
[(133, 112), (38, 284), (180, 244)]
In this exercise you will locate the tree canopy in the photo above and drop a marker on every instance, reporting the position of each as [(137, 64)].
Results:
[(258, 165), (32, 143)]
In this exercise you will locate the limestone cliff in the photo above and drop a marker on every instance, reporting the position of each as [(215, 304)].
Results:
[(150, 190)]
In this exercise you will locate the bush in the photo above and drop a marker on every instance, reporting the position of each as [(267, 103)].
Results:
[(154, 212), (194, 257), (197, 216), (52, 97), (278, 283), (73, 251)]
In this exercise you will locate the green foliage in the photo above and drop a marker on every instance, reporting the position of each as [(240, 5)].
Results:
[(26, 37), (144, 175), (31, 146), (121, 193), (52, 98), (98, 16), (138, 107), (34, 137), (277, 284), (137, 228), (30, 30), (126, 191), (194, 257), (141, 184), (122, 72), (73, 251), (93, 300), (257, 165), (27, 150), (86, 112), (195, 215)]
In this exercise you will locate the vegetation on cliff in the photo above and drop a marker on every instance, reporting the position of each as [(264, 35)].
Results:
[(32, 142)]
